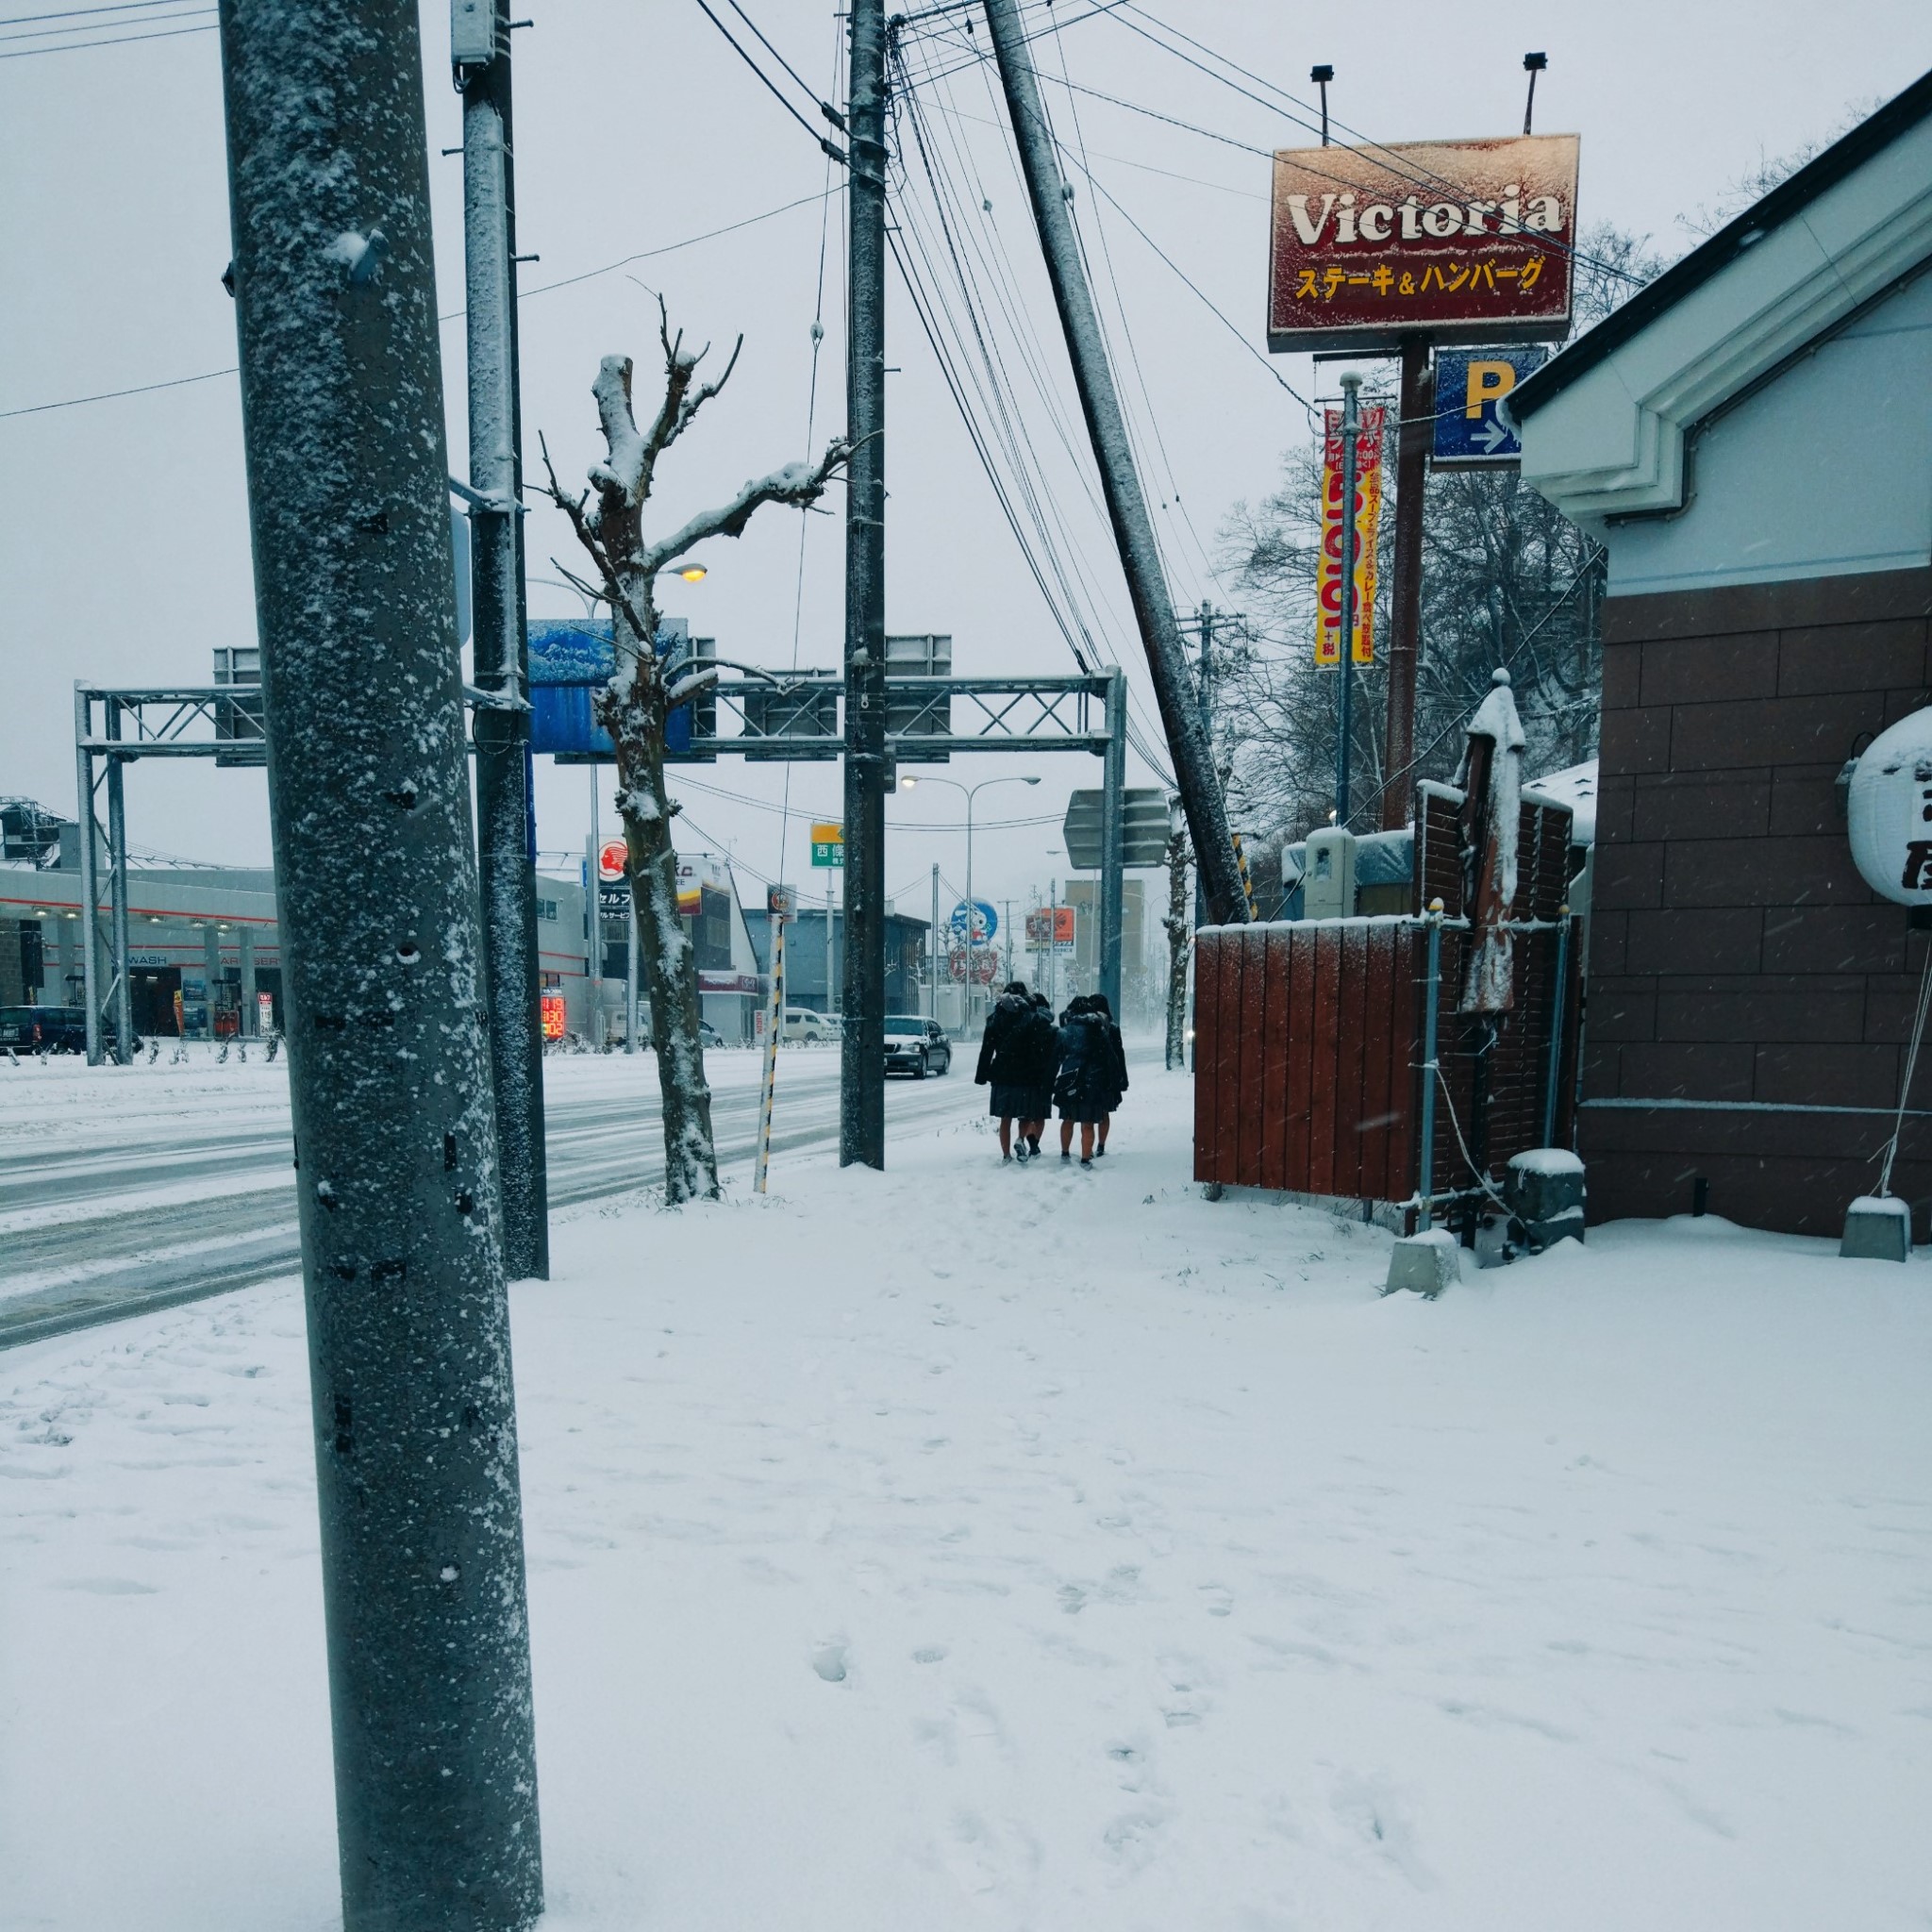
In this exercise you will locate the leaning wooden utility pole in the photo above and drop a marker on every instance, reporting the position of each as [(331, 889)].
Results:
[(1126, 506), (862, 1041), (375, 879), (479, 55)]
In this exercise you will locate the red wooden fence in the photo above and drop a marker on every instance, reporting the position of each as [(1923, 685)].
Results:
[(1309, 1034)]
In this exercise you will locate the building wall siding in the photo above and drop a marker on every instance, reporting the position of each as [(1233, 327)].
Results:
[(1737, 957)]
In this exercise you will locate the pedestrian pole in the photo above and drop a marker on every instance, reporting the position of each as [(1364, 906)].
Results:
[(411, 1390), (1425, 1185), (773, 1019), (1351, 417), (1126, 504), (862, 1038), (480, 60)]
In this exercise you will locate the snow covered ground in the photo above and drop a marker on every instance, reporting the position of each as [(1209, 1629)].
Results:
[(976, 1547)]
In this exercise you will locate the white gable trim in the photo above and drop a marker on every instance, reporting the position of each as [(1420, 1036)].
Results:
[(1612, 443)]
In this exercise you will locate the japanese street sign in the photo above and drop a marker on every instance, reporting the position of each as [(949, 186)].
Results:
[(612, 857), (1368, 523), (1050, 926), (1469, 239), (828, 843), (781, 902), (1469, 385), (984, 962), (1144, 829)]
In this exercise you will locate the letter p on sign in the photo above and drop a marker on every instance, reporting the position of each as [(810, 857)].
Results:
[(1485, 383)]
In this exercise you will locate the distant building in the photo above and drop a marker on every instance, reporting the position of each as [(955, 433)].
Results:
[(814, 975), (1751, 438)]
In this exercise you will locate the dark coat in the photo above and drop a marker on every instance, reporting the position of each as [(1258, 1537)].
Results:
[(1116, 1061), (1002, 1057), (1083, 1087), (1037, 1049)]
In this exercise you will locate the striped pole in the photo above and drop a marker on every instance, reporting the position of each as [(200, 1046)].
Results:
[(774, 1017)]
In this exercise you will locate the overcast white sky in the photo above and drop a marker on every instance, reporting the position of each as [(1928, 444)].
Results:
[(123, 538)]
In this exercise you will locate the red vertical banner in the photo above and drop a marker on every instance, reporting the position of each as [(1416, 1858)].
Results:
[(1368, 522)]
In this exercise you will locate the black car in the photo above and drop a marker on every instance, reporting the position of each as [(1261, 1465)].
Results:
[(916, 1045), (48, 1029)]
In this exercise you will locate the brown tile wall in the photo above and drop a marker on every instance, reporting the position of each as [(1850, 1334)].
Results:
[(1736, 953)]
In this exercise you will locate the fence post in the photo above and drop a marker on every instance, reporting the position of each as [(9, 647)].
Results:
[(1557, 1006), (1425, 1185)]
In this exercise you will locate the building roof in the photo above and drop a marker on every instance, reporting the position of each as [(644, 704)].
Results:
[(1604, 424), (1790, 197)]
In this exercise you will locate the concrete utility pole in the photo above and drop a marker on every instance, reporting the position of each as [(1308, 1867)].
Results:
[(862, 1044), (376, 890), (1113, 832), (1406, 616), (934, 1010), (506, 843), (1133, 529), (1204, 694), (1351, 418)]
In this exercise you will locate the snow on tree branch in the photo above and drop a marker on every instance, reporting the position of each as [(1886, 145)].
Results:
[(800, 484)]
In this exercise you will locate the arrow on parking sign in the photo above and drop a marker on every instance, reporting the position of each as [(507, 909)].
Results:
[(1491, 437)]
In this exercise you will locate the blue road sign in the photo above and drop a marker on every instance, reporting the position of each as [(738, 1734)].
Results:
[(984, 925), (1469, 385), (569, 660)]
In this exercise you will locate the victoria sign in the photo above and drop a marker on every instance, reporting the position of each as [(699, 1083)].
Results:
[(1465, 240)]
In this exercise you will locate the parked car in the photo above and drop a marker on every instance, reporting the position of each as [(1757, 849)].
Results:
[(916, 1045), (802, 1023), (50, 1029), (709, 1035)]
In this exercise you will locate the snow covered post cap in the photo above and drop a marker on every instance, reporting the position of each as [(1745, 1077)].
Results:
[(1890, 810)]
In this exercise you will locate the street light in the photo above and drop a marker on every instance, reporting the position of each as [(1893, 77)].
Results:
[(972, 792)]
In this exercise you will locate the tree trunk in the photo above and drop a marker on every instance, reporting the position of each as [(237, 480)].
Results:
[(632, 709)]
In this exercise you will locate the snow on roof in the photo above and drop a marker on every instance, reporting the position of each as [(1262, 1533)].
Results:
[(1574, 785)]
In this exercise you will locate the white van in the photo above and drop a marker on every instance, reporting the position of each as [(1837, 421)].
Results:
[(802, 1023)]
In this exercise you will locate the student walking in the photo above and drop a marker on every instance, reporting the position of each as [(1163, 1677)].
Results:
[(1040, 1052), (1083, 1083), (1004, 1063), (1116, 1061)]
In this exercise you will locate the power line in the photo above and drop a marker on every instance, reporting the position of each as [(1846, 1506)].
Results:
[(48, 33), (122, 40), (837, 154)]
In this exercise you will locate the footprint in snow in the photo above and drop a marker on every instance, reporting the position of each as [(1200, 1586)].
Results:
[(829, 1662)]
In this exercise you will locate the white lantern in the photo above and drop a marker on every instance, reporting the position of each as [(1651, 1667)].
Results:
[(1891, 811)]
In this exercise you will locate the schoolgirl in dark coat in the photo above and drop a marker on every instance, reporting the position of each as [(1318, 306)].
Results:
[(1117, 1051), (1084, 1085)]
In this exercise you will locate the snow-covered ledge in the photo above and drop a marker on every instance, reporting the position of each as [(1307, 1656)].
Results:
[(1612, 443)]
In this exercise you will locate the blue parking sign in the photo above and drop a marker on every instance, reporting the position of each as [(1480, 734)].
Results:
[(1469, 385)]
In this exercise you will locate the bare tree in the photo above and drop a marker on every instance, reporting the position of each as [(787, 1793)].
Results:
[(644, 690)]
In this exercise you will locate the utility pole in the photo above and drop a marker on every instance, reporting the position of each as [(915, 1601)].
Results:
[(377, 891), (934, 947), (1204, 694), (1113, 833), (1351, 417), (479, 54), (862, 1041), (1126, 506), (1406, 616)]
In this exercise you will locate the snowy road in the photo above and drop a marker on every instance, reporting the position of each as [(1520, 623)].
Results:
[(200, 1200)]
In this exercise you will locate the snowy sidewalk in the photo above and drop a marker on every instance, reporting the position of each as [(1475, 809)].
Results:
[(980, 1547)]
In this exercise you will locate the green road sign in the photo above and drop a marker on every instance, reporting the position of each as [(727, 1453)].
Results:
[(828, 844)]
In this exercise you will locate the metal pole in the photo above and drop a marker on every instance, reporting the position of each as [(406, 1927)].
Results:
[(514, 1013), (593, 919), (1425, 1185), (90, 934), (935, 943), (119, 989), (830, 1004), (1133, 530), (1405, 596), (1351, 395), (1551, 1085), (630, 974), (972, 911), (245, 953), (862, 1041), (774, 1020), (1113, 834), (377, 891)]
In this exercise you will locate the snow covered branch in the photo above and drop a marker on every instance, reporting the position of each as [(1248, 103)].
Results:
[(800, 484), (629, 468)]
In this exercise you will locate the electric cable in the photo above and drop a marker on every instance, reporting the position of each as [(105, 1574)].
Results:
[(836, 152)]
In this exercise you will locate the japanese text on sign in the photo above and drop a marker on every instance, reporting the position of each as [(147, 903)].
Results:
[(1368, 522), (1469, 239)]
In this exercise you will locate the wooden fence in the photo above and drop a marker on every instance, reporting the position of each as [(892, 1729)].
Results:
[(1309, 1034)]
